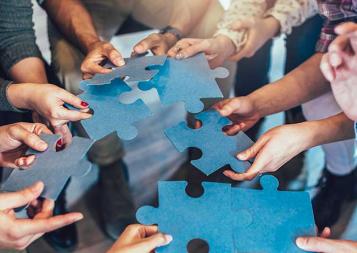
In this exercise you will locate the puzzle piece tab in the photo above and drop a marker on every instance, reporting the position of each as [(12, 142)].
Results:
[(278, 218), (218, 149), (51, 167), (134, 70), (188, 80), (109, 114), (187, 218)]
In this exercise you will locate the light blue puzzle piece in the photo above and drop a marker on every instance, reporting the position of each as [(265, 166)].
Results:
[(187, 81), (187, 218), (109, 114), (135, 69), (278, 218), (51, 167), (218, 149)]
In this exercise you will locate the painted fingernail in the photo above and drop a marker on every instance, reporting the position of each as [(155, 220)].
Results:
[(84, 104), (59, 143)]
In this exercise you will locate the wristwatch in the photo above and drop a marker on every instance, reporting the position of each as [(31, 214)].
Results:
[(169, 29)]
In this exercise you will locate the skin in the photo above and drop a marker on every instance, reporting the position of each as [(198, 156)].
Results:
[(140, 239), (19, 233)]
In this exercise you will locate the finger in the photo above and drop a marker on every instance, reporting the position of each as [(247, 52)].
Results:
[(184, 43), (66, 134), (25, 162), (115, 57), (346, 28), (326, 233), (46, 210), (32, 227), (193, 50), (151, 243), (86, 76), (234, 129), (253, 150), (94, 68), (229, 107), (21, 198), (159, 50), (327, 69), (146, 44), (316, 244), (73, 100), (65, 114), (19, 133)]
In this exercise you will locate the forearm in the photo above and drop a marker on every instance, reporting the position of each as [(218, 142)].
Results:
[(29, 70), (303, 84), (73, 19)]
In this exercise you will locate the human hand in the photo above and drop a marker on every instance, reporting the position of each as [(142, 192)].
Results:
[(157, 43), (259, 31), (140, 239), (241, 111), (98, 52), (217, 49), (339, 66), (16, 138), (19, 233), (273, 149)]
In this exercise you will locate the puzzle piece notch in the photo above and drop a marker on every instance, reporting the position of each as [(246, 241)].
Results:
[(51, 167), (188, 80), (104, 101), (135, 69), (218, 149)]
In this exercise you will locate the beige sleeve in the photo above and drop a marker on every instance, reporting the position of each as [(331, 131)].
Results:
[(291, 13)]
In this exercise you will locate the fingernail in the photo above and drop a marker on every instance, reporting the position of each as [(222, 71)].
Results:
[(78, 218), (20, 162), (299, 242), (59, 143), (168, 239), (84, 104), (42, 145), (139, 48), (121, 62), (241, 156), (179, 56)]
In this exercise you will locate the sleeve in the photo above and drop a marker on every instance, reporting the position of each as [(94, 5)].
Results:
[(239, 10), (17, 35), (4, 102), (291, 13)]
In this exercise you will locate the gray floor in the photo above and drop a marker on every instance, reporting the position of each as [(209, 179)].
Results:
[(163, 156)]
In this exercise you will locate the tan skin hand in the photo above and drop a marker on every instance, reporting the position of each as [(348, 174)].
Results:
[(158, 44), (19, 233), (140, 239)]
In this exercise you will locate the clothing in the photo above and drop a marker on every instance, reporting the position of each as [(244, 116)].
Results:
[(17, 36), (335, 12), (289, 13), (4, 103)]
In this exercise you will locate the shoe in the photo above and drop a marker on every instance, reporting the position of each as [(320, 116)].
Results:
[(64, 238), (333, 193), (116, 204)]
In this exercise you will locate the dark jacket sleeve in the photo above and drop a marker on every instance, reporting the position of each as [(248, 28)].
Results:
[(17, 35), (4, 103)]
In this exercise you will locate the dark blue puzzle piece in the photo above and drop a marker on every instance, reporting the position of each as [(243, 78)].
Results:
[(51, 167), (218, 149), (109, 114), (135, 69), (186, 218), (187, 81), (278, 218)]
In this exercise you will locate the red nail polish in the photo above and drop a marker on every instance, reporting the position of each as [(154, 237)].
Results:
[(85, 104), (59, 142)]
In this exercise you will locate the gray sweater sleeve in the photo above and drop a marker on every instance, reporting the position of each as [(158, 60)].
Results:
[(17, 35), (4, 103)]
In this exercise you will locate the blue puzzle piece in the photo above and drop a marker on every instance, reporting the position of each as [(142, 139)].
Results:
[(51, 167), (278, 218), (109, 114), (186, 218), (218, 149), (135, 69), (187, 81)]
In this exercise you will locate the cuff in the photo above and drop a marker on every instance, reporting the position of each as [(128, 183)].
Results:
[(5, 105)]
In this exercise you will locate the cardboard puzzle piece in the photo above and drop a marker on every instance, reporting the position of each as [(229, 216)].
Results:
[(218, 149), (187, 81), (109, 114), (187, 218), (135, 69), (278, 218), (51, 167)]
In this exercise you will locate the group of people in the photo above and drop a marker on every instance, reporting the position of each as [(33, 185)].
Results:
[(321, 67)]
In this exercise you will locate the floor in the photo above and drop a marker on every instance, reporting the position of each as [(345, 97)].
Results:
[(151, 152)]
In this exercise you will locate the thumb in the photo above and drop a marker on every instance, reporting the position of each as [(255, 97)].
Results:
[(21, 198), (151, 243), (226, 108), (23, 135), (253, 150), (316, 244), (73, 100), (114, 56)]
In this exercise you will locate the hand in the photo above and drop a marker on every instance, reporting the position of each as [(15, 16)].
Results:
[(48, 100), (259, 31), (19, 233), (217, 49), (241, 111), (97, 53), (273, 150), (16, 138), (157, 43), (339, 66), (140, 239)]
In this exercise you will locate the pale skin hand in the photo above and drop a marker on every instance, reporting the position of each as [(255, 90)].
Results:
[(339, 66), (140, 239), (20, 233), (217, 49)]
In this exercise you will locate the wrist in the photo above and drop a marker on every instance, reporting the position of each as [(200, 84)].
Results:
[(17, 96), (226, 43), (90, 42), (310, 132)]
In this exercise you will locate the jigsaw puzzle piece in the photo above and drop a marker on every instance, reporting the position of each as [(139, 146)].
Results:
[(135, 69), (218, 149), (185, 218), (278, 218), (51, 167), (188, 80), (109, 114)]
